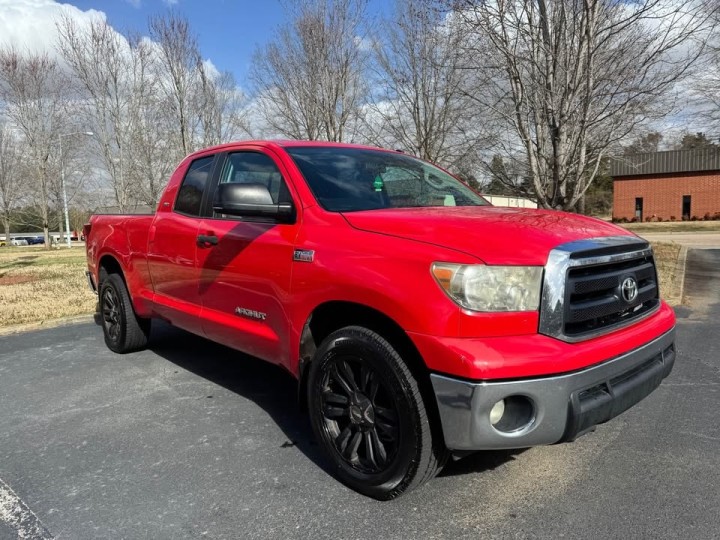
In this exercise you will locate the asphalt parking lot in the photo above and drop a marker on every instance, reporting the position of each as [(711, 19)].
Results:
[(191, 440)]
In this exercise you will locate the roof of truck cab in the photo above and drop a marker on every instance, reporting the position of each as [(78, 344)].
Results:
[(284, 143)]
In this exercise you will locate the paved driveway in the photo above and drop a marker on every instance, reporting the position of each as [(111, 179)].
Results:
[(191, 440)]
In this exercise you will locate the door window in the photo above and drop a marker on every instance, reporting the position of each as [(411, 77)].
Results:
[(256, 168), (189, 198)]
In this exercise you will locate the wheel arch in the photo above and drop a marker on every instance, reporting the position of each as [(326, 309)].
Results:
[(330, 316), (111, 265)]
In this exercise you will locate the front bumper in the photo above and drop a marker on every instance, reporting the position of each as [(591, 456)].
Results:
[(550, 409)]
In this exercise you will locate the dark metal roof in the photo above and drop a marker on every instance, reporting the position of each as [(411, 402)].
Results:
[(674, 161)]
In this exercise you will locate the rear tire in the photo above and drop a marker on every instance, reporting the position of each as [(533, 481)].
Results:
[(368, 414), (124, 331)]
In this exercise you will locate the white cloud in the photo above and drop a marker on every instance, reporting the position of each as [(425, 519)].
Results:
[(30, 24)]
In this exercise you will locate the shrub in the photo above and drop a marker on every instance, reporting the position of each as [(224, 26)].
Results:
[(707, 216), (659, 219), (633, 220), (716, 216), (694, 218), (648, 219), (673, 218)]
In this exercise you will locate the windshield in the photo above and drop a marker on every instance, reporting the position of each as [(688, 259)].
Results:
[(350, 179)]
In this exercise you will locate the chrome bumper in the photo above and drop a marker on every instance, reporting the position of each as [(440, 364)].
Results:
[(559, 408)]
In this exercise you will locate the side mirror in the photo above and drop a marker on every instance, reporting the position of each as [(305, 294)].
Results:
[(251, 200)]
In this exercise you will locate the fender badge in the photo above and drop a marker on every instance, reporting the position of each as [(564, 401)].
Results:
[(250, 313), (304, 255)]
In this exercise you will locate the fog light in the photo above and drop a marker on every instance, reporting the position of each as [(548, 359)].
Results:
[(496, 413)]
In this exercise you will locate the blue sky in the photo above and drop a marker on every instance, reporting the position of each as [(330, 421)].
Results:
[(229, 31)]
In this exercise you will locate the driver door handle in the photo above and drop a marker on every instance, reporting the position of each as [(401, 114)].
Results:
[(207, 240)]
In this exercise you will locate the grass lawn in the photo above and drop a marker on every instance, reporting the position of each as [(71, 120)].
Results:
[(666, 259), (37, 286)]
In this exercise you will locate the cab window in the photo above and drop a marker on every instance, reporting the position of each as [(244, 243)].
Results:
[(256, 168), (190, 194)]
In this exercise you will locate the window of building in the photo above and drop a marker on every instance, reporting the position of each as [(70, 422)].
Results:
[(639, 208), (686, 207)]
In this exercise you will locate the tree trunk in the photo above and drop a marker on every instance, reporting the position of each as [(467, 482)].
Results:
[(62, 228), (6, 226)]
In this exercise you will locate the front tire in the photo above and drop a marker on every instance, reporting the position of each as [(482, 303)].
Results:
[(368, 414), (124, 331)]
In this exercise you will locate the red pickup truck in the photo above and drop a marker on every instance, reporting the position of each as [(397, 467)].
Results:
[(420, 321)]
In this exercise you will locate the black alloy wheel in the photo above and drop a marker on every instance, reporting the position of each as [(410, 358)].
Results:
[(368, 414), (111, 314), (124, 331), (360, 414)]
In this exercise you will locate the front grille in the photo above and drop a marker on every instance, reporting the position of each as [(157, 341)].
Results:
[(592, 287), (595, 301)]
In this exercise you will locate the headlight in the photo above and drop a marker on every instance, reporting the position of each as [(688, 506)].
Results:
[(491, 288)]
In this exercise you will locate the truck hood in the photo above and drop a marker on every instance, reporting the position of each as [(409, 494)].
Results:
[(496, 235)]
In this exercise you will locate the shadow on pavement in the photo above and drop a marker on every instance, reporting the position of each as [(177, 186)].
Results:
[(275, 391), (479, 462), (269, 386)]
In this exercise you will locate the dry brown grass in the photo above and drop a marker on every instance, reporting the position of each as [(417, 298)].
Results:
[(669, 271), (37, 285)]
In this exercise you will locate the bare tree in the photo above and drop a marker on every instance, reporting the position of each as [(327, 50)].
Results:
[(113, 73), (310, 81), (706, 87), (33, 88), (149, 104), (204, 105), (153, 152), (572, 78), (219, 108), (179, 65), (10, 176), (423, 105), (648, 142)]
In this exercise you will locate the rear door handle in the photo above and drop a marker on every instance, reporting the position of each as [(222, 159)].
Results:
[(206, 240)]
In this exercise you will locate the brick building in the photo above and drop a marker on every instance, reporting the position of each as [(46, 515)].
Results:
[(678, 183)]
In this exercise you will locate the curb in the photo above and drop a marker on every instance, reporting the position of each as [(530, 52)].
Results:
[(680, 268), (51, 323)]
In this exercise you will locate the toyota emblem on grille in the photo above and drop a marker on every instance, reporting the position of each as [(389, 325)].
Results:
[(629, 289)]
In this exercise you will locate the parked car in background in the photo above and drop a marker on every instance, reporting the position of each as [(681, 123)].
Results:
[(33, 240), (18, 242)]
